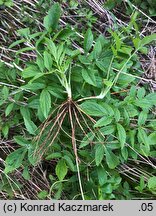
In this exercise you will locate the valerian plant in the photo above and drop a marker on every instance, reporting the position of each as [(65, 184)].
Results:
[(80, 108)]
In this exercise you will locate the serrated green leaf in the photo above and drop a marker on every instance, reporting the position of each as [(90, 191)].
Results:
[(5, 130), (30, 71), (102, 175), (103, 121), (152, 183), (142, 183), (117, 114), (142, 118), (26, 174), (5, 92), (34, 35), (151, 98), (40, 63), (136, 42), (24, 32), (144, 150), (47, 60), (143, 136), (117, 39), (88, 40), (21, 141), (107, 130), (52, 48), (141, 93), (32, 156), (9, 109), (2, 102), (14, 160), (61, 169), (16, 43), (108, 108), (130, 111), (144, 103), (126, 50), (34, 86), (107, 82), (97, 50), (89, 77), (55, 91), (93, 108), (25, 50), (121, 134), (99, 154), (87, 139), (54, 155), (45, 102), (60, 53), (104, 63), (64, 33), (124, 153), (42, 195), (148, 39), (126, 117), (30, 126), (34, 104), (69, 162), (152, 138), (84, 59), (111, 159), (52, 19), (9, 3), (139, 44), (36, 77), (25, 112)]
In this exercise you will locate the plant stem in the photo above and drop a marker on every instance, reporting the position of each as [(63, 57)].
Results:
[(75, 150), (79, 177)]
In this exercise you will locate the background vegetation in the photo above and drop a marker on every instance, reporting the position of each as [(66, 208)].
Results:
[(77, 99)]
